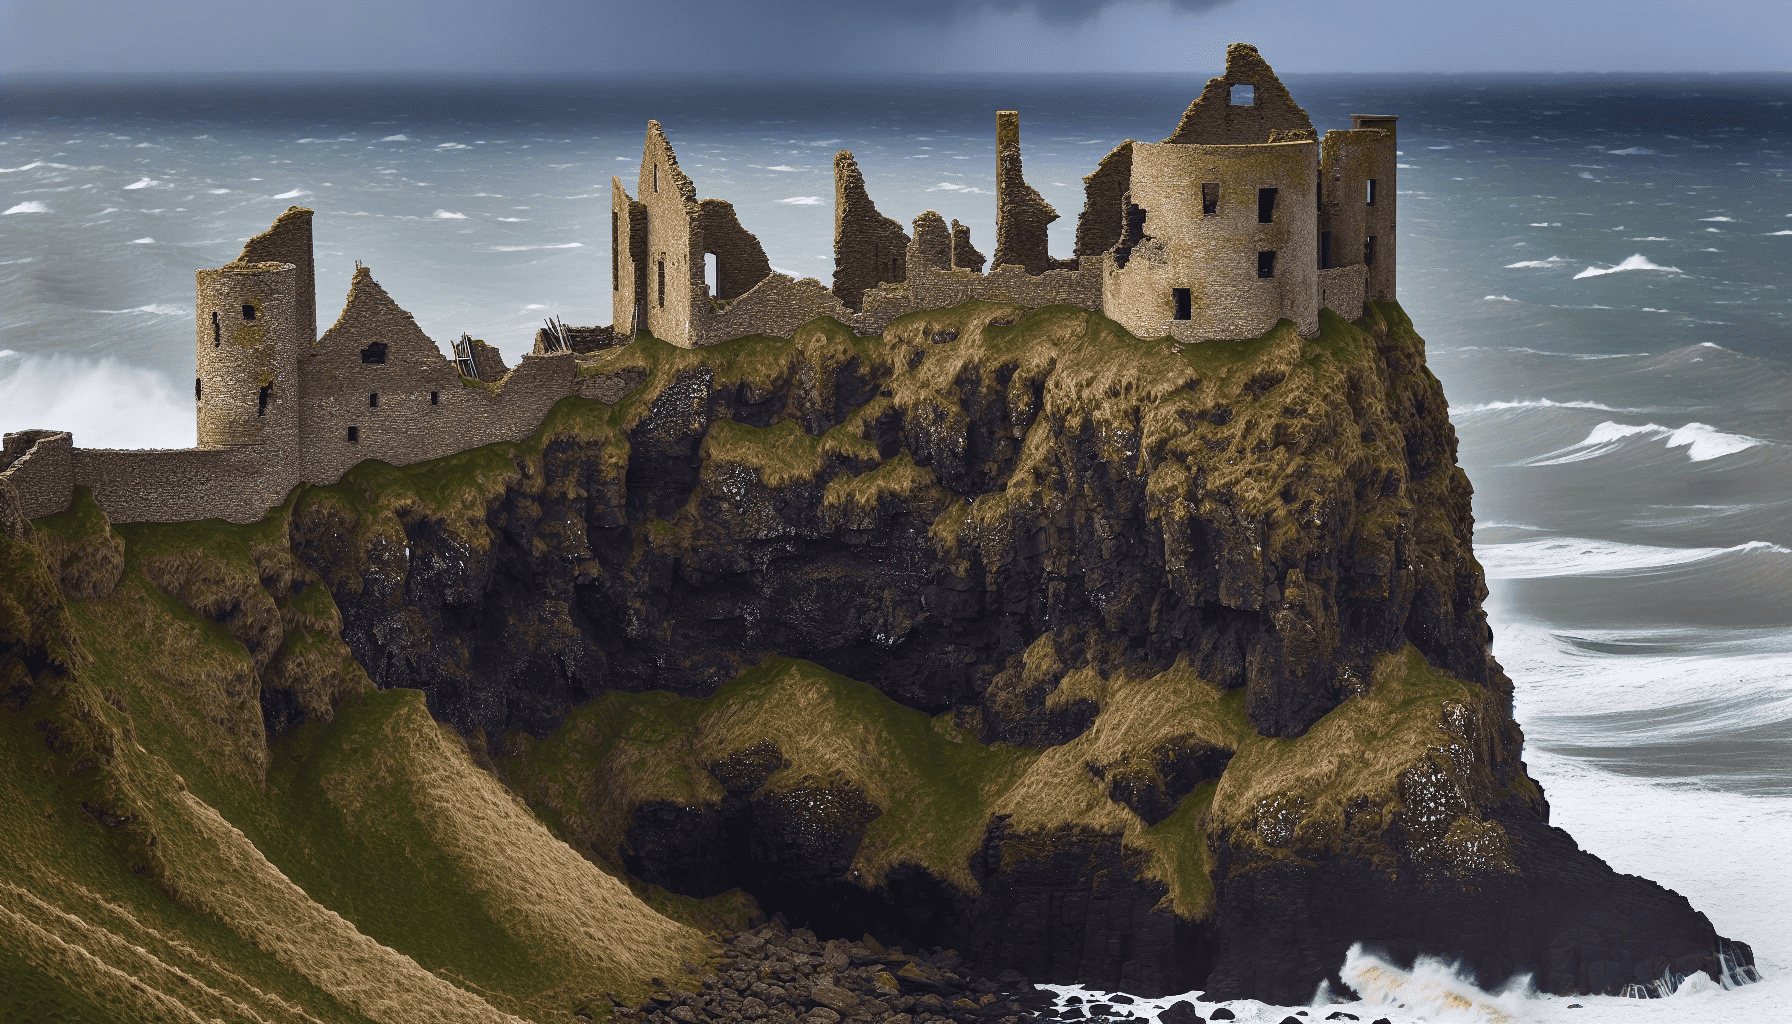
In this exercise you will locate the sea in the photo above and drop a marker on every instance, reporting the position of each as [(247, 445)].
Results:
[(1599, 263)]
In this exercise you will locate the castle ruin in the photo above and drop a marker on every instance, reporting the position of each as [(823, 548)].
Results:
[(1241, 218)]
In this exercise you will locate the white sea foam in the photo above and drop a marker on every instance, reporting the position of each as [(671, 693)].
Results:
[(294, 194), (1551, 557), (950, 186), (400, 137), (143, 241), (1553, 261), (1498, 298), (1632, 151), (1530, 403), (29, 206), (525, 248), (1721, 220), (1788, 231), (783, 167), (157, 308), (448, 215), (802, 201), (107, 402), (1636, 262), (453, 145), (143, 183), (1702, 442), (1649, 238)]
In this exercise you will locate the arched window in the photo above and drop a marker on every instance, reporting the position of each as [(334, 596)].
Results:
[(261, 404), (662, 275), (248, 312)]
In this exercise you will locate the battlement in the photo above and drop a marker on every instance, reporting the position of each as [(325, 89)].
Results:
[(1244, 216)]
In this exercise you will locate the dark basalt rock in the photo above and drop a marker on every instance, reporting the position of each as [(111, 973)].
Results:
[(1119, 538)]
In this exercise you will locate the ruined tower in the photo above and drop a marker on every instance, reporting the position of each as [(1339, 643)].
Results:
[(246, 342)]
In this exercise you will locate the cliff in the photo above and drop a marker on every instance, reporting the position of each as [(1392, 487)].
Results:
[(1099, 659)]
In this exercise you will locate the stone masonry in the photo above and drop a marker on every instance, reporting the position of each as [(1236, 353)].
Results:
[(1241, 218)]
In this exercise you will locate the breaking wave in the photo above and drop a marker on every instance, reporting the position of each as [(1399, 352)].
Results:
[(1701, 441), (1583, 556), (1633, 262)]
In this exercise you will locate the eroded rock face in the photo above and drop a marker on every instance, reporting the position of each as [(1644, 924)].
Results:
[(968, 513)]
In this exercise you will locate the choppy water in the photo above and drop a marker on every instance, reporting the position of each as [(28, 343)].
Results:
[(1598, 262)]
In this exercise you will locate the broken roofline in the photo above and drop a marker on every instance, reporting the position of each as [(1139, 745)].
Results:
[(662, 236)]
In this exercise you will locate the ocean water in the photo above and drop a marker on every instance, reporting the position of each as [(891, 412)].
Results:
[(1599, 264)]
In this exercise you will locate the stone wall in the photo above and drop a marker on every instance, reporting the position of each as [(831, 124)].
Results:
[(40, 466), (1104, 202), (1348, 161), (1214, 120), (289, 241), (674, 255), (1341, 291), (869, 248), (628, 259), (1215, 257), (1023, 217), (1380, 161), (740, 259), (965, 256), (181, 485)]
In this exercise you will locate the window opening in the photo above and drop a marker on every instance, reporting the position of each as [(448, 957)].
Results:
[(712, 274), (435, 398), (662, 274), (197, 394), (354, 434), (1210, 198), (1325, 250), (656, 177), (1184, 304), (261, 406), (1266, 205), (217, 331), (1266, 264), (615, 249), (1369, 192), (373, 400), (248, 312), (374, 354), (1244, 96), (1369, 249)]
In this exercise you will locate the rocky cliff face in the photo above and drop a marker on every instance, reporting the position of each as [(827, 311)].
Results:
[(1145, 666)]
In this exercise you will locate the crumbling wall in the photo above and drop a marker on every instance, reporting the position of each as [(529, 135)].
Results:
[(1215, 257), (965, 256), (1213, 120), (487, 360), (1023, 217), (1348, 161), (674, 251), (1376, 156), (740, 259), (288, 240), (1104, 201), (580, 340), (628, 259), (775, 307), (40, 466), (932, 246), (869, 248)]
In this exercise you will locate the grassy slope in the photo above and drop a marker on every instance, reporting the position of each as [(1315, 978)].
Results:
[(363, 869)]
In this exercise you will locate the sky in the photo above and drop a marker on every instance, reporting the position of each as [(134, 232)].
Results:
[(830, 36)]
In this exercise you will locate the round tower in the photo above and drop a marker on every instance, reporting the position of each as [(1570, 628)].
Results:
[(246, 381), (1217, 242)]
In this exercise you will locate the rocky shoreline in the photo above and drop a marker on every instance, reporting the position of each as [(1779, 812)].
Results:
[(780, 975)]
